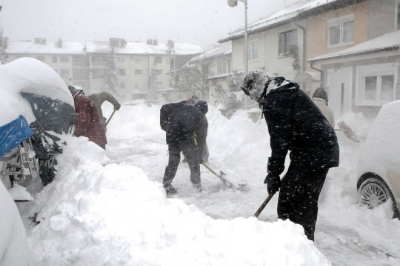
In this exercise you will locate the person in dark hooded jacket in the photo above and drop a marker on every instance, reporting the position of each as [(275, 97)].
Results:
[(295, 124), (186, 131)]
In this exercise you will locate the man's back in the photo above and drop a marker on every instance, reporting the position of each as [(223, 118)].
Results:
[(183, 122)]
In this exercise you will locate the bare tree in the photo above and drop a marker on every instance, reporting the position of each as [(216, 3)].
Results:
[(151, 86), (3, 47), (193, 78), (110, 78)]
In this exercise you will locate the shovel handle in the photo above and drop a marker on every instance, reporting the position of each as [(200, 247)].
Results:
[(110, 118), (211, 170), (263, 205)]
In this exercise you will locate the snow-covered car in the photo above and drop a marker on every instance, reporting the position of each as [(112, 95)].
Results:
[(35, 106), (378, 168)]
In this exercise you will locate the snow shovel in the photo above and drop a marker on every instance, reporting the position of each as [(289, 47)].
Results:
[(108, 121), (348, 132), (263, 205), (221, 176)]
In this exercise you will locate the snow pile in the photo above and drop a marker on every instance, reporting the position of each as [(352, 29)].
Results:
[(13, 248), (99, 212), (109, 207)]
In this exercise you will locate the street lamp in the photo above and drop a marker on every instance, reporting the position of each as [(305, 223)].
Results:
[(233, 3)]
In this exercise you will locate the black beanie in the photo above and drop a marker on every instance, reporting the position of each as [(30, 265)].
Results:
[(203, 106), (321, 93)]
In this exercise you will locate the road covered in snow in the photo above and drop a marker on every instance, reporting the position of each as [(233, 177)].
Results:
[(109, 208)]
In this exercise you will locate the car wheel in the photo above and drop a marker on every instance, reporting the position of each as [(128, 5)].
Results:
[(373, 192)]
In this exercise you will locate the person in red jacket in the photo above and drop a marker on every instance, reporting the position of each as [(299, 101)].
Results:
[(88, 122)]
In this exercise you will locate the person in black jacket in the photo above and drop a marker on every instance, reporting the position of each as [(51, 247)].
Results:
[(186, 131), (297, 125)]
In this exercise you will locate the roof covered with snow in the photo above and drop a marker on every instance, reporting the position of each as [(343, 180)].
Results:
[(281, 16), (143, 48), (219, 50), (386, 42), (29, 47)]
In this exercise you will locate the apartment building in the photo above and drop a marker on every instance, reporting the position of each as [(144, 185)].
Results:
[(143, 68), (296, 42)]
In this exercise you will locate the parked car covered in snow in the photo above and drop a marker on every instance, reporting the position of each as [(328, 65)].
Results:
[(378, 168), (35, 106)]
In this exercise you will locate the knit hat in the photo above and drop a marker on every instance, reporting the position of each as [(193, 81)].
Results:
[(73, 90), (320, 93), (203, 106), (255, 84)]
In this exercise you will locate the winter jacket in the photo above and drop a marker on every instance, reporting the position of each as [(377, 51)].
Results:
[(326, 111), (296, 124), (99, 98), (88, 122), (184, 124)]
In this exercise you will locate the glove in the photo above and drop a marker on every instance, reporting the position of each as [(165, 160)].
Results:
[(117, 106), (273, 182)]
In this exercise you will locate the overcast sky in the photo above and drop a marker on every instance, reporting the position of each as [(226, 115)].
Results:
[(201, 22)]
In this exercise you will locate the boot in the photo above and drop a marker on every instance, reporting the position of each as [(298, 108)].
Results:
[(170, 190), (197, 187)]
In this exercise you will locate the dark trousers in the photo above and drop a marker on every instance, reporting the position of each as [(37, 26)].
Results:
[(191, 153), (298, 198)]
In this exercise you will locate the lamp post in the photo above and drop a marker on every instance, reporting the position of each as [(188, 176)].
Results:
[(233, 3), (171, 46)]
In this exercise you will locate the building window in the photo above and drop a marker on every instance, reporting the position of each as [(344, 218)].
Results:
[(158, 85), (252, 50), (138, 72), (97, 73), (341, 31), (120, 59), (222, 67), (79, 61), (157, 72), (64, 59), (121, 72), (376, 85), (157, 60), (99, 60), (64, 72), (40, 58), (54, 59), (286, 40), (81, 74), (138, 59)]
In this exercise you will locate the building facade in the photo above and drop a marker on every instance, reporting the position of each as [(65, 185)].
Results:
[(296, 42), (143, 68)]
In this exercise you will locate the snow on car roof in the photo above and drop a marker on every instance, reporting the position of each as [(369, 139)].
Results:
[(381, 148), (30, 76)]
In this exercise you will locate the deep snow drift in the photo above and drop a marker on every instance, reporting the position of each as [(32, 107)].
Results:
[(109, 207)]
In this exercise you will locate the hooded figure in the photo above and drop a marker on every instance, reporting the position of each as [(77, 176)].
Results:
[(320, 98), (88, 122), (295, 124), (186, 131)]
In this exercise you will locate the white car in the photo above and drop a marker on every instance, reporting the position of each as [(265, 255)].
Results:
[(378, 168)]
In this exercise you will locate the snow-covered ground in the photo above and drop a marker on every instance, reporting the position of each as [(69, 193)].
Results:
[(109, 207)]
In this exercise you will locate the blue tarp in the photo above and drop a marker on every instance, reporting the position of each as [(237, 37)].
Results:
[(13, 133)]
